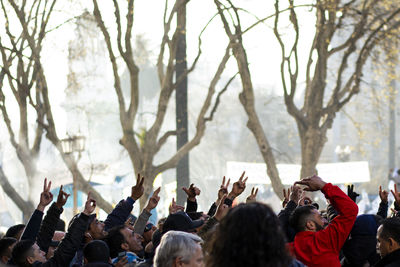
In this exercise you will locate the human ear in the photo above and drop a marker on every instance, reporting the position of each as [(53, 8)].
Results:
[(30, 260), (310, 225), (125, 246), (178, 262)]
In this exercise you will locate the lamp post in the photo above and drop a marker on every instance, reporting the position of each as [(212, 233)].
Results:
[(343, 152), (74, 145)]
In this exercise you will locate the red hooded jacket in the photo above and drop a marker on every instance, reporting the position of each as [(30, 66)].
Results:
[(322, 248)]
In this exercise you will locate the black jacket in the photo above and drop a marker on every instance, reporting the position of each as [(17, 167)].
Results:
[(48, 227), (284, 216), (391, 260), (69, 245)]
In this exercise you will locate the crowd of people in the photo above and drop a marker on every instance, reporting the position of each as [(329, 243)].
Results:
[(246, 234)]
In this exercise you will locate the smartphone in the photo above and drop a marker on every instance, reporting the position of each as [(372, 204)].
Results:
[(121, 255)]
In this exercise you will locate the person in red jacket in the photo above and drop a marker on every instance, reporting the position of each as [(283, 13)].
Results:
[(316, 244)]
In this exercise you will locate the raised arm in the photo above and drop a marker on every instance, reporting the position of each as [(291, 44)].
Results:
[(383, 206), (32, 228), (293, 199), (49, 224), (191, 192), (336, 233), (73, 238), (141, 221)]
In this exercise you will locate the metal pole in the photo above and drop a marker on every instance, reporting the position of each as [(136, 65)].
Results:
[(392, 124), (182, 169), (75, 192)]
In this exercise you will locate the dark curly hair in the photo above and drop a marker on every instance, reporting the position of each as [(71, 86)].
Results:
[(249, 235)]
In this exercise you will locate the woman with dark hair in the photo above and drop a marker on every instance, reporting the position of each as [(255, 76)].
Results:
[(249, 235)]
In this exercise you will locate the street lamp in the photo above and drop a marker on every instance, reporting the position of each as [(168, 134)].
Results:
[(343, 153), (74, 145)]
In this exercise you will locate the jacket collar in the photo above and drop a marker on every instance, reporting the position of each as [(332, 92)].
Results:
[(390, 258)]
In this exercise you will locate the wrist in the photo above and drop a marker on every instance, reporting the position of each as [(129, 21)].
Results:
[(41, 207), (87, 213), (191, 199), (231, 196), (148, 209), (322, 185)]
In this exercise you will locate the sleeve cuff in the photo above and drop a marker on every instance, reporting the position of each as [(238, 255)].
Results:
[(228, 202), (130, 200), (326, 189), (291, 205)]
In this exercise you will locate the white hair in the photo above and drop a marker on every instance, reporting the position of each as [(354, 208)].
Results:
[(176, 244)]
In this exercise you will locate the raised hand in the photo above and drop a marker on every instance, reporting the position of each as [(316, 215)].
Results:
[(153, 201), (295, 195), (253, 195), (394, 212), (383, 194), (191, 192), (286, 195), (313, 183), (138, 189), (62, 198), (351, 193), (90, 205), (396, 194), (238, 187), (222, 209), (46, 197), (223, 190), (174, 208)]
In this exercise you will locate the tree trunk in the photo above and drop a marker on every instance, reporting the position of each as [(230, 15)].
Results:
[(312, 142), (26, 207), (148, 186), (247, 100)]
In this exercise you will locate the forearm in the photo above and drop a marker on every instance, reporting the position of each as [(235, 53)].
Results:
[(207, 227), (119, 214), (383, 209), (48, 227), (71, 242), (191, 206), (141, 222), (212, 210), (32, 228)]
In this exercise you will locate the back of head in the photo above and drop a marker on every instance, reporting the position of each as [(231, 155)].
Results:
[(21, 251), (5, 244), (249, 235), (96, 251), (15, 231), (114, 240), (300, 216), (176, 244), (391, 229)]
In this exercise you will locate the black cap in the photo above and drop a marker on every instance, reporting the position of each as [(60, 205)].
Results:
[(180, 221)]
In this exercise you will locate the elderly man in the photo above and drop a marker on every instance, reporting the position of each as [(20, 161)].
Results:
[(179, 249)]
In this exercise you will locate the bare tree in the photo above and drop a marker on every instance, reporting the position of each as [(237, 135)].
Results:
[(362, 23), (142, 152), (23, 67), (19, 70)]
